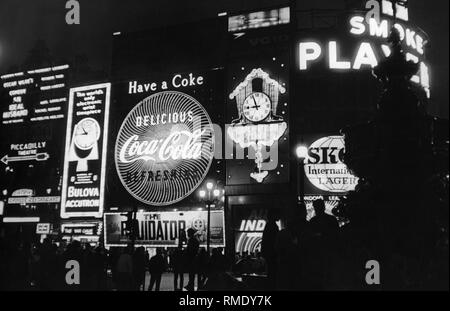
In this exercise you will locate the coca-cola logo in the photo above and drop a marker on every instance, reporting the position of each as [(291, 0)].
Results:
[(164, 148)]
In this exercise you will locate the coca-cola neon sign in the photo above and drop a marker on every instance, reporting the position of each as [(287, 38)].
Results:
[(164, 148)]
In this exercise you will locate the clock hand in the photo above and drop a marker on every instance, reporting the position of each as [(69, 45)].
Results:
[(85, 131), (254, 100)]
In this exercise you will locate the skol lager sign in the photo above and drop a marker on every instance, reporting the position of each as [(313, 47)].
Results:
[(324, 166)]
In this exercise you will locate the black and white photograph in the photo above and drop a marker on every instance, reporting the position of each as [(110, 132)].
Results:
[(223, 153)]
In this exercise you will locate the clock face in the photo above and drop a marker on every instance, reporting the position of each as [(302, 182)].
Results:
[(257, 107), (87, 132)]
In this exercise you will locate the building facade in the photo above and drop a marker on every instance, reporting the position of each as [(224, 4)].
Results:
[(197, 117)]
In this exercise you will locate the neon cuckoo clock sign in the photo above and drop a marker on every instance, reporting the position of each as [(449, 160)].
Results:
[(258, 124)]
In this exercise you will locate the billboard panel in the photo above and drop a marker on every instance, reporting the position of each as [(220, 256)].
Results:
[(324, 169), (249, 223), (164, 132), (85, 152), (33, 115), (257, 130), (163, 228)]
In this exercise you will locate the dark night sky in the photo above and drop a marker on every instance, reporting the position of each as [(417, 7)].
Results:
[(24, 21)]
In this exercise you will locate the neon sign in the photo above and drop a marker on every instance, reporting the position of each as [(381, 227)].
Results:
[(177, 81), (164, 148), (258, 125), (371, 46), (324, 166), (35, 95), (259, 19), (164, 228), (27, 152), (85, 152)]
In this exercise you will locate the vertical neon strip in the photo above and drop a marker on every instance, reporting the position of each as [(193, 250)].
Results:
[(104, 150), (66, 154)]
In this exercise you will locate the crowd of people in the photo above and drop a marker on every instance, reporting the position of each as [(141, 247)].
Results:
[(43, 266), (192, 260), (302, 256), (305, 255), (321, 255)]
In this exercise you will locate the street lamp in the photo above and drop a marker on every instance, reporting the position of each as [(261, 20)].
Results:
[(302, 153), (209, 196), (202, 194)]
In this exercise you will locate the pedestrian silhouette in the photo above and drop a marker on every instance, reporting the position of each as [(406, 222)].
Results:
[(125, 269), (202, 263), (268, 247), (139, 267), (191, 254), (290, 247), (157, 266), (321, 246), (178, 266)]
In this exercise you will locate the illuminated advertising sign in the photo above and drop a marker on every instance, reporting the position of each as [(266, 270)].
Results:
[(164, 148), (85, 152), (249, 224), (33, 112), (364, 45), (169, 100), (165, 135), (34, 95), (163, 228), (258, 126), (34, 151), (34, 200), (331, 202), (82, 231), (43, 228), (257, 130), (324, 166), (259, 19)]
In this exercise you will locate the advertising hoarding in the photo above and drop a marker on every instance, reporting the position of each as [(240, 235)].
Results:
[(85, 231), (324, 169), (163, 229), (34, 95), (43, 228), (165, 137), (85, 152), (257, 130), (249, 223), (33, 112), (360, 44), (187, 60), (259, 19), (164, 148)]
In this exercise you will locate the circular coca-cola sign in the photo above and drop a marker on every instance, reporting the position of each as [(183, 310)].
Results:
[(164, 148)]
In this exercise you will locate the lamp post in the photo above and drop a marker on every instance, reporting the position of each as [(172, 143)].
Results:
[(302, 152), (209, 196)]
